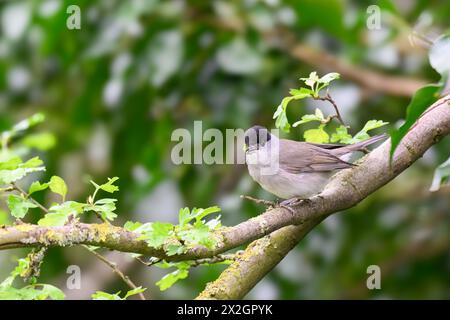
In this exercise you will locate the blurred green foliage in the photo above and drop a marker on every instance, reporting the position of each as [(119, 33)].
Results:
[(115, 90)]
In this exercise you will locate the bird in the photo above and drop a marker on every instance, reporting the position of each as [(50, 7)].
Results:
[(294, 170)]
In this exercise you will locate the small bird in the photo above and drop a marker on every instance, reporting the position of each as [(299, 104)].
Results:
[(295, 170)]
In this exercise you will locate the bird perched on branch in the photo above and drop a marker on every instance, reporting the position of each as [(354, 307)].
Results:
[(295, 170)]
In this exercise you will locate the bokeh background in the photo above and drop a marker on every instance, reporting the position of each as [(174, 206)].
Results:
[(114, 91)]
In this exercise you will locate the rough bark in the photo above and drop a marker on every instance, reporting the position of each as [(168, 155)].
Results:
[(345, 190)]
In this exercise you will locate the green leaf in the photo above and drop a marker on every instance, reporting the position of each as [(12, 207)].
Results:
[(326, 79), (11, 164), (422, 99), (318, 116), (19, 206), (132, 226), (37, 186), (200, 213), (41, 141), (158, 234), (173, 249), (301, 93), (4, 218), (9, 176), (316, 135), (109, 186), (32, 163), (13, 169), (134, 292), (53, 219), (105, 207), (59, 214), (370, 125), (184, 216), (441, 175), (198, 235), (57, 185), (100, 295), (52, 292), (282, 121), (311, 80), (341, 135), (170, 279)]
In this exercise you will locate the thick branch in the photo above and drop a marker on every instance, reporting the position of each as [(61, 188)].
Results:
[(346, 189)]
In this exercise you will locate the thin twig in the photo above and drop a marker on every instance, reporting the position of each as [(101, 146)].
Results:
[(216, 259), (111, 264), (195, 263), (117, 271), (259, 201), (26, 195), (331, 100)]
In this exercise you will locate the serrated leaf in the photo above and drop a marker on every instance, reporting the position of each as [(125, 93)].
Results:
[(59, 214), (57, 185), (422, 99), (341, 135), (19, 206), (105, 207), (157, 235), (184, 216), (198, 235), (316, 135), (173, 249), (109, 186)]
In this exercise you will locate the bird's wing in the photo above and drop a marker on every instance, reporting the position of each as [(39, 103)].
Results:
[(297, 157)]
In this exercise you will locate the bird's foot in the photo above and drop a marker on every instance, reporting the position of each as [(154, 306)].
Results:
[(293, 201), (286, 204)]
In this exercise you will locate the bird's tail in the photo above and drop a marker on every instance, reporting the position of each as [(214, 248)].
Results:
[(359, 146)]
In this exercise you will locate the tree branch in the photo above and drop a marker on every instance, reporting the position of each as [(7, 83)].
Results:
[(345, 189)]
